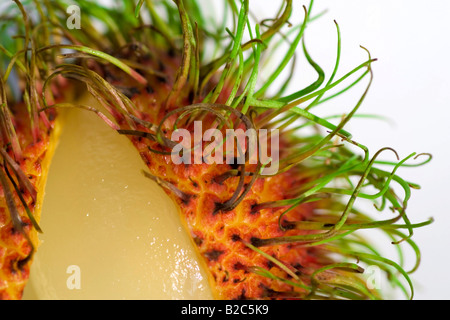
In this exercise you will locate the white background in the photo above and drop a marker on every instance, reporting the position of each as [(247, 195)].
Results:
[(411, 85)]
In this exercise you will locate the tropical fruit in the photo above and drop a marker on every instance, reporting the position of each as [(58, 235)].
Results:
[(266, 190)]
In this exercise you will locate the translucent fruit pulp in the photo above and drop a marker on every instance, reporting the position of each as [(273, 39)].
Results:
[(109, 232)]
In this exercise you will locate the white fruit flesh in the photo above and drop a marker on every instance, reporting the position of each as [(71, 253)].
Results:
[(109, 232)]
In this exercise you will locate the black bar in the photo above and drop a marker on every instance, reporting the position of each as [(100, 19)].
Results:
[(214, 309)]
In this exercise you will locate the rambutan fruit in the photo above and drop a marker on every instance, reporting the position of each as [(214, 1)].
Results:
[(266, 190)]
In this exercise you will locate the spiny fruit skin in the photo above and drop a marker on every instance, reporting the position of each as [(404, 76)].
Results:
[(15, 249), (220, 236)]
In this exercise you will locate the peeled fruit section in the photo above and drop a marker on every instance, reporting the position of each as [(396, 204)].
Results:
[(109, 232)]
